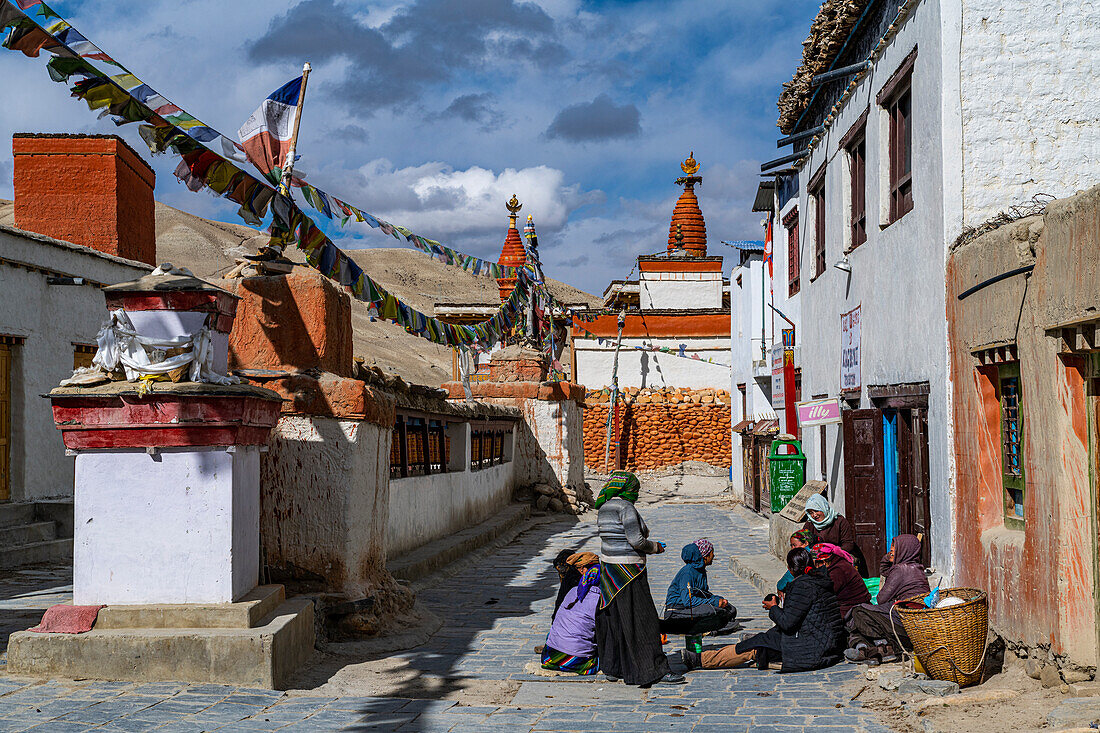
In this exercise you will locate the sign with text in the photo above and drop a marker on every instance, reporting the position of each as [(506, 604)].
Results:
[(819, 412), (777, 377), (796, 507), (850, 380)]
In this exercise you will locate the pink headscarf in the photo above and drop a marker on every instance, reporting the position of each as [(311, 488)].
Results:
[(822, 550), (705, 547)]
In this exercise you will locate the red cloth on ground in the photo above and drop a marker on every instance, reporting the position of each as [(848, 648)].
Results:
[(66, 619)]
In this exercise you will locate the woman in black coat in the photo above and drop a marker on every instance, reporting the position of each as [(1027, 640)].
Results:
[(808, 632)]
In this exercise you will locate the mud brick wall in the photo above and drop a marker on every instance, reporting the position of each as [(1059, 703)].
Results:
[(660, 428)]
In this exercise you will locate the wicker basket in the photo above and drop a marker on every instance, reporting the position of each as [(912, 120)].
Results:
[(950, 642)]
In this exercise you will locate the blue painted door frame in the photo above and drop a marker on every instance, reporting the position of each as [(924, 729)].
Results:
[(890, 472)]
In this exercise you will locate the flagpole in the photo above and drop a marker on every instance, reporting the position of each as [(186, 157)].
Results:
[(288, 168)]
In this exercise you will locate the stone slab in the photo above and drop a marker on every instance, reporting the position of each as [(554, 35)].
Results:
[(554, 694), (246, 613), (939, 688), (1075, 713), (262, 657), (1089, 688), (763, 570)]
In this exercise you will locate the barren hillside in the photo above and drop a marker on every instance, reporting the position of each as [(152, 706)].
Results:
[(209, 248)]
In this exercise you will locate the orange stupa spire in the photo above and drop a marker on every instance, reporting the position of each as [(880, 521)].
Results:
[(687, 219), (513, 254)]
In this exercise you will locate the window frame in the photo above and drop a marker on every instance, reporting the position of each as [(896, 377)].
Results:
[(1012, 481), (896, 98), (794, 261), (816, 192), (854, 143)]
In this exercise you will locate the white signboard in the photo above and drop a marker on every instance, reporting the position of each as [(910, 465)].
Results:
[(850, 380), (777, 377)]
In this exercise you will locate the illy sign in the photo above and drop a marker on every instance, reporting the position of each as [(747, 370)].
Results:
[(819, 412)]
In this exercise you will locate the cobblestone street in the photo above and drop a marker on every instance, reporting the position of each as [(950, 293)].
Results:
[(496, 610)]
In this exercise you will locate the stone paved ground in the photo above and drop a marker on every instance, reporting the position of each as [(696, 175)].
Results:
[(496, 610)]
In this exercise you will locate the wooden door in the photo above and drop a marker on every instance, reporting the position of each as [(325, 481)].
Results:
[(5, 422), (913, 489), (752, 491), (864, 500)]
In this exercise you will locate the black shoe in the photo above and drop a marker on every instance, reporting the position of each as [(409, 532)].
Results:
[(266, 254), (672, 679), (692, 660), (611, 678), (762, 658)]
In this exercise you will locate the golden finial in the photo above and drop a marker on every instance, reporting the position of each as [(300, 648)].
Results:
[(690, 167), (514, 205)]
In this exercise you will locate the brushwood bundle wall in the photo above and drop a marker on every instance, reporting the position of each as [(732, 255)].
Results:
[(659, 428)]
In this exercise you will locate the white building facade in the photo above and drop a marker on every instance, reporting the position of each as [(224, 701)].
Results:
[(959, 113)]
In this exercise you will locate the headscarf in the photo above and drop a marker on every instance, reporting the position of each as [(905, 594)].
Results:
[(704, 546), (622, 484), (823, 550), (693, 558), (804, 536), (582, 560), (906, 549), (819, 503), (589, 580)]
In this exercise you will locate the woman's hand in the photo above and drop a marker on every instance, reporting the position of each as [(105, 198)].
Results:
[(769, 603), (723, 603), (660, 548)]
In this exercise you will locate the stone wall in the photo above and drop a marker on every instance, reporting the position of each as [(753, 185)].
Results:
[(660, 428)]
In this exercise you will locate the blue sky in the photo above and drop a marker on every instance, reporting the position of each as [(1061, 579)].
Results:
[(431, 113)]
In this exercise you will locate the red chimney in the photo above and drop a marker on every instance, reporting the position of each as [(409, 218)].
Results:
[(92, 190)]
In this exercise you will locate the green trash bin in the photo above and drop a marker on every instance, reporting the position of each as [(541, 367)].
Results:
[(787, 472)]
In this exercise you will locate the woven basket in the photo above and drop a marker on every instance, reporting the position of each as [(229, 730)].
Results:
[(950, 642)]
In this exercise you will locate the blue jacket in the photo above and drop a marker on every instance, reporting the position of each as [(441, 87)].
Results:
[(693, 575)]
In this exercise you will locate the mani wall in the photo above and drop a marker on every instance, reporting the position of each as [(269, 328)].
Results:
[(659, 428)]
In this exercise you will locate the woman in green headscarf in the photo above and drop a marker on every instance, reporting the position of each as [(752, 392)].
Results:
[(628, 634)]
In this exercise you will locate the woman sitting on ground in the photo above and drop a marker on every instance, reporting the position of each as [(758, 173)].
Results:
[(872, 636), (689, 593), (571, 643), (827, 526), (801, 538), (847, 583), (628, 635), (807, 634)]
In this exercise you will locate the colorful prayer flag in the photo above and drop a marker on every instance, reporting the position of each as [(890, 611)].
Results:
[(266, 134)]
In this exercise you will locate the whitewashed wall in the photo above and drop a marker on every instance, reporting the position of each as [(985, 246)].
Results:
[(680, 290), (595, 363), (897, 275), (1030, 100), (51, 317), (181, 526)]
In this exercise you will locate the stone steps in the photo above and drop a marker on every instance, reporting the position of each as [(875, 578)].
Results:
[(51, 551), (14, 514), (32, 533), (26, 534), (416, 564)]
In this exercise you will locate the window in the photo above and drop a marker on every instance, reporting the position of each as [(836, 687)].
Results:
[(790, 221), (855, 143), (817, 194), (82, 355), (1012, 441), (897, 99)]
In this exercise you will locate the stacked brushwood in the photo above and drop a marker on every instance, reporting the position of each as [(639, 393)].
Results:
[(567, 499), (828, 32), (659, 428)]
